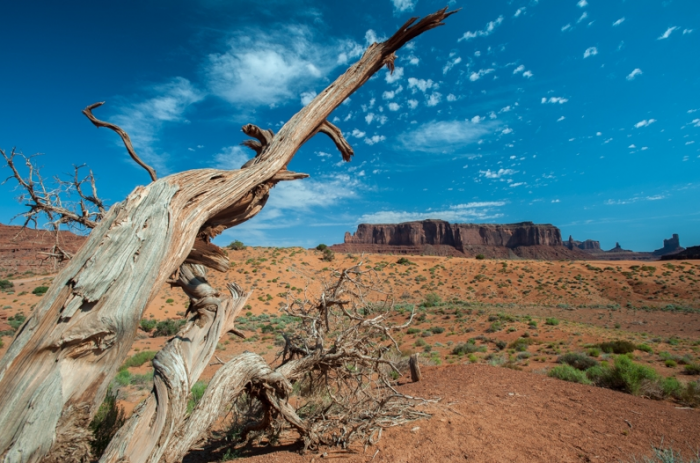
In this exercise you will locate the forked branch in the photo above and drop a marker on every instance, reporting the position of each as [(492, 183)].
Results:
[(125, 137)]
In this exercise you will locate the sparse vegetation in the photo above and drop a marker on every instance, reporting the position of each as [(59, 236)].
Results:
[(568, 373), (40, 290)]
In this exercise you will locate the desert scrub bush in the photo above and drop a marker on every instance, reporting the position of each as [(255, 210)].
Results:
[(568, 373), (617, 347), (670, 363), (147, 325), (480, 257), (168, 327), (236, 245), (6, 285), (328, 255), (139, 359), (404, 261), (666, 456), (593, 352), (551, 322), (197, 393), (645, 348), (495, 326), (321, 247), (413, 331), (521, 344), (625, 375), (467, 348), (107, 421), (16, 320), (431, 300), (40, 290), (692, 369), (437, 329), (577, 360)]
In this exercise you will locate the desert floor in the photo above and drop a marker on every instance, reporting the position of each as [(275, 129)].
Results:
[(486, 412)]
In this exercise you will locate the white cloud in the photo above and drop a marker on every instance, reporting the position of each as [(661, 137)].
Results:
[(555, 201), (474, 76), (455, 214), (644, 123), (506, 131), (687, 31), (369, 118), (358, 133), (404, 5), (668, 33), (591, 51), (231, 157), (519, 11), (434, 99), (143, 120), (307, 97), (412, 104), (636, 72), (394, 106), (583, 16), (582, 3), (420, 84), (373, 140), (450, 64), (519, 69), (490, 27), (566, 28), (632, 146), (619, 21), (561, 119), (517, 184), (696, 122), (266, 67), (476, 119), (413, 60), (391, 78), (444, 136), (527, 74), (493, 174), (554, 100), (618, 202), (451, 97)]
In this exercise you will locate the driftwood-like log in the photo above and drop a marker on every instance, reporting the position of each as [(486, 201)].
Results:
[(57, 370)]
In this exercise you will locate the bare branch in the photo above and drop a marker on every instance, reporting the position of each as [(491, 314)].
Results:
[(337, 136), (125, 137)]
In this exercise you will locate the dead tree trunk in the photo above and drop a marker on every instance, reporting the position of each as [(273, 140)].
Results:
[(57, 370)]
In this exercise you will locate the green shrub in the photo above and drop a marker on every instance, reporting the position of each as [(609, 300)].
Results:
[(16, 320), (467, 348), (40, 290), (123, 378), (6, 284), (107, 421), (168, 327), (480, 257), (593, 352), (532, 324), (404, 261), (431, 300), (551, 322), (169, 301), (577, 360), (495, 326), (413, 331), (236, 246), (670, 363), (328, 255), (521, 344), (645, 348), (197, 393), (568, 373), (321, 247), (625, 375), (692, 369), (138, 359), (671, 387), (148, 325), (437, 329), (617, 347)]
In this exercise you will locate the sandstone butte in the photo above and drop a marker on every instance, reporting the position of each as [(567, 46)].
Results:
[(437, 237)]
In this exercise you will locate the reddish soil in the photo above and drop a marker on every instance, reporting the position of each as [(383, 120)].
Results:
[(489, 414)]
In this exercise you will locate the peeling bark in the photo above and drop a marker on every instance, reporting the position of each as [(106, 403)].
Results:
[(57, 370)]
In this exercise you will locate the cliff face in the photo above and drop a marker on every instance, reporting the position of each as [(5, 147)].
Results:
[(588, 245), (437, 237), (438, 232), (22, 250)]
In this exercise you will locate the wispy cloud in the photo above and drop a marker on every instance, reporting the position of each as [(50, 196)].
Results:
[(450, 64), (469, 212), (231, 157), (591, 51), (582, 3), (619, 21), (493, 174), (636, 72), (620, 202), (668, 33), (488, 30), (554, 100), (445, 136), (518, 12), (404, 5), (474, 76), (267, 67), (644, 123), (143, 120)]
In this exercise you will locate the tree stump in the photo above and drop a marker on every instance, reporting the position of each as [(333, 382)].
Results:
[(415, 368)]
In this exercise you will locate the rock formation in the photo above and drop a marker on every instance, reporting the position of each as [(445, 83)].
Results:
[(24, 250), (692, 252), (671, 246), (588, 245), (437, 237)]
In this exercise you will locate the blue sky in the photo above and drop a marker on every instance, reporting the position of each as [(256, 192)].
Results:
[(580, 113)]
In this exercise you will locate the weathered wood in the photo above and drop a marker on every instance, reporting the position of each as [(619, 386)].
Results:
[(57, 370), (414, 367)]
